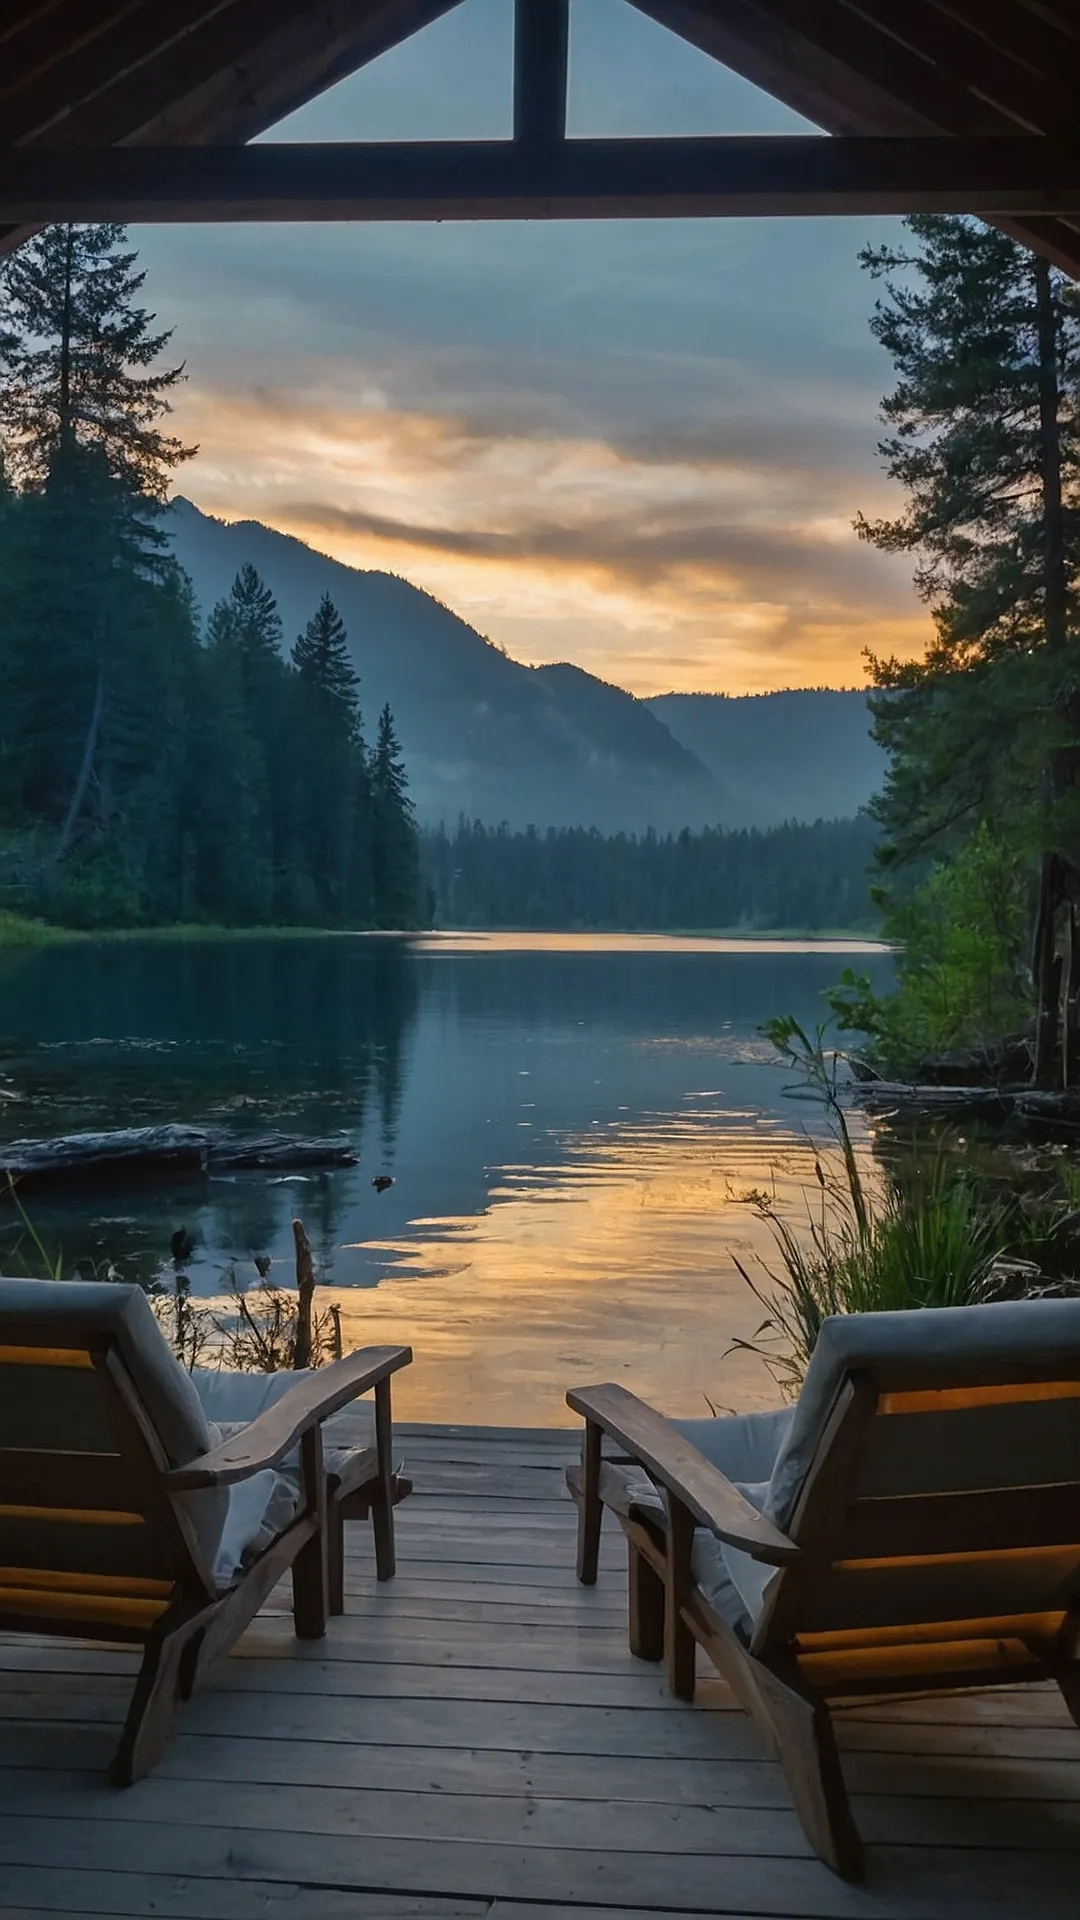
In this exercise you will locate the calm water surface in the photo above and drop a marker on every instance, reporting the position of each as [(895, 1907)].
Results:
[(570, 1122)]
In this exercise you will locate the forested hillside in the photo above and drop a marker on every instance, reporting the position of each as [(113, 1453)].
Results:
[(482, 734), (801, 877), (153, 767), (189, 708)]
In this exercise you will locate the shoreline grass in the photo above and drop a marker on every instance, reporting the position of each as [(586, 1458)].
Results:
[(22, 931)]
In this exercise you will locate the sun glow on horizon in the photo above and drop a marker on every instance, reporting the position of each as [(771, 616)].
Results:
[(661, 569)]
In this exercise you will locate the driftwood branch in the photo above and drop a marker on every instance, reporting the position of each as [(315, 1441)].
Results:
[(140, 1153), (1018, 1107)]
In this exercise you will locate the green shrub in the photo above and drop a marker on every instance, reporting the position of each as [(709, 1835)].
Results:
[(961, 948)]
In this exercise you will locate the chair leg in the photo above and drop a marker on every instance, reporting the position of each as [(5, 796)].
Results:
[(310, 1586), (153, 1706), (590, 1506), (646, 1608), (310, 1581), (1069, 1683), (805, 1742), (335, 1557), (382, 1505), (680, 1647)]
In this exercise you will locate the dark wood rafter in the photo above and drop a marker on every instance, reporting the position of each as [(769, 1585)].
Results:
[(237, 70), (843, 65), (541, 71), (911, 76), (519, 180)]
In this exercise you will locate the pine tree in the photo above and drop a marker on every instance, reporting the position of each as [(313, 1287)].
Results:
[(985, 338), (394, 845), (79, 361), (144, 775), (80, 407), (982, 733), (333, 802), (321, 659), (243, 640), (245, 628)]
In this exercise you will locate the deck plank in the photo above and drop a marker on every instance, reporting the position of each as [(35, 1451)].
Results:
[(473, 1739)]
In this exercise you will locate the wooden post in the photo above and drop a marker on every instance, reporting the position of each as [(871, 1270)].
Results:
[(305, 1289)]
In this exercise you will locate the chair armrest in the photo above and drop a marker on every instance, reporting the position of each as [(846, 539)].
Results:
[(267, 1438), (683, 1472)]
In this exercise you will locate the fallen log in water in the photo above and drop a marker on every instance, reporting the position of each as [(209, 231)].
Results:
[(1015, 1106), (138, 1153)]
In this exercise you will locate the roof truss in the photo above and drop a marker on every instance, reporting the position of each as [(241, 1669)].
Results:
[(964, 105)]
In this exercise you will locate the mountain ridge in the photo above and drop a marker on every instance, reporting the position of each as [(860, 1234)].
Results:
[(485, 735)]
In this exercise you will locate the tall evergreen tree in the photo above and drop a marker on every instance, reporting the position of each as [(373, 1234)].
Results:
[(983, 733), (321, 659), (144, 776), (80, 413), (244, 645), (333, 800), (985, 338), (245, 628), (394, 846), (80, 361)]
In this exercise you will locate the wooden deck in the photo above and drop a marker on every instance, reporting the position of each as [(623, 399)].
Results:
[(475, 1739)]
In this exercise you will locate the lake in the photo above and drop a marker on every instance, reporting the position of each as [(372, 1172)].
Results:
[(571, 1124)]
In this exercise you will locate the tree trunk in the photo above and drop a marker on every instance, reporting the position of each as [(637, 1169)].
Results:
[(1051, 1059), (1055, 571), (67, 425), (86, 769)]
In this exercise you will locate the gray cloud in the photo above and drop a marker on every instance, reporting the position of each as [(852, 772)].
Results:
[(735, 354), (763, 563)]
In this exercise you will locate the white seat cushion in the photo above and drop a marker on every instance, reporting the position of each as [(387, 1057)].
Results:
[(744, 1448), (263, 1506)]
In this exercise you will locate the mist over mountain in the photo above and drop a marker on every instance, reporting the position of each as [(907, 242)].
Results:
[(482, 734), (805, 754), (495, 740)]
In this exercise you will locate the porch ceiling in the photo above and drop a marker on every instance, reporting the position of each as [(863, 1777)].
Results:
[(81, 75)]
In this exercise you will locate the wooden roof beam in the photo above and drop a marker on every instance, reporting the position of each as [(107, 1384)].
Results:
[(541, 71), (36, 102), (792, 49), (238, 74), (1039, 36), (578, 179), (1037, 102)]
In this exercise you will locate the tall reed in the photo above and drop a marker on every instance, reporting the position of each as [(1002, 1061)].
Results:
[(930, 1239)]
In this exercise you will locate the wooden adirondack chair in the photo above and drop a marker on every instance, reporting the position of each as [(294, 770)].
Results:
[(912, 1523), (126, 1515)]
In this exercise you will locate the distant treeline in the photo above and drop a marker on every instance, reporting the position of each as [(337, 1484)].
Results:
[(797, 877)]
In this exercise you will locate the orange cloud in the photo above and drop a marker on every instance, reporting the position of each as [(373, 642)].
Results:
[(691, 561)]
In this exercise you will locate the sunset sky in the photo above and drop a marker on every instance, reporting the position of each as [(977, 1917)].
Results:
[(634, 445)]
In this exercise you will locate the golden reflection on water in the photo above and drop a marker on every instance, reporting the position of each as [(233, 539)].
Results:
[(616, 1266)]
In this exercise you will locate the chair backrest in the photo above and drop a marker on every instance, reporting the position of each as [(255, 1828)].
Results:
[(932, 1476), (93, 1409)]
